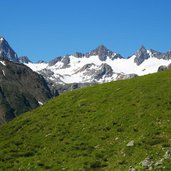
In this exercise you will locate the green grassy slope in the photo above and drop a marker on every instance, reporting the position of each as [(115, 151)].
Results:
[(89, 129)]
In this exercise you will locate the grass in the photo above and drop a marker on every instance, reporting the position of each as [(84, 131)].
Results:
[(88, 129)]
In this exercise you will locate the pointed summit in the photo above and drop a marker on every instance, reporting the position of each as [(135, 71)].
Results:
[(6, 51), (101, 49), (142, 48), (141, 55), (102, 52)]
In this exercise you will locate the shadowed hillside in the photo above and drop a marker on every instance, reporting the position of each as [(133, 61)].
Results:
[(21, 90)]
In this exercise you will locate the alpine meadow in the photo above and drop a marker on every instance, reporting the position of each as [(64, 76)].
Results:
[(112, 126)]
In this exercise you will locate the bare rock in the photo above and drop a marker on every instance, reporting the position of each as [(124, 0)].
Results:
[(167, 155), (147, 163), (130, 144)]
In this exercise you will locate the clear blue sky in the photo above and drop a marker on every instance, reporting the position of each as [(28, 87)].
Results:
[(44, 29)]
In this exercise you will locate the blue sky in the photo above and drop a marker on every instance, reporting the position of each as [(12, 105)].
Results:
[(44, 29)]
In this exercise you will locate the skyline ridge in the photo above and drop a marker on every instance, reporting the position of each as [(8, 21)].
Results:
[(83, 53)]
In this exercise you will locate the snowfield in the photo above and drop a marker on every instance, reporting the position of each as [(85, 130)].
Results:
[(73, 73)]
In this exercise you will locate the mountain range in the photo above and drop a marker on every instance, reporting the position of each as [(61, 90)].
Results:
[(100, 65), (65, 73)]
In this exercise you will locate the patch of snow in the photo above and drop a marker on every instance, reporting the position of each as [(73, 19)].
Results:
[(37, 67), (3, 63), (149, 52), (59, 65), (3, 72), (40, 103), (73, 74), (1, 39)]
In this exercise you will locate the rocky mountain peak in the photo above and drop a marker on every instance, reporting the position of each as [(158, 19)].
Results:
[(6, 51), (102, 48), (102, 52), (142, 49), (141, 55)]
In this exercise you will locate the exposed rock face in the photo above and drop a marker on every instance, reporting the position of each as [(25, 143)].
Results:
[(167, 55), (46, 73), (95, 73), (126, 76), (141, 55), (6, 51), (105, 70), (78, 55), (21, 90), (24, 59), (156, 54), (117, 56), (103, 53), (162, 68), (159, 55), (66, 61), (54, 61), (85, 67)]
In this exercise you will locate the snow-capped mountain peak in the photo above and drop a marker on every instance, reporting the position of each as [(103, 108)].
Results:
[(141, 55), (103, 52), (100, 65)]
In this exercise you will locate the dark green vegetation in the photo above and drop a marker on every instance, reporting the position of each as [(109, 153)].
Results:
[(89, 129), (20, 89)]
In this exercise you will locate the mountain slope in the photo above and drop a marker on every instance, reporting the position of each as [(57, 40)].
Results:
[(110, 126), (21, 90)]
